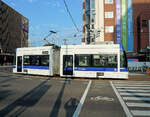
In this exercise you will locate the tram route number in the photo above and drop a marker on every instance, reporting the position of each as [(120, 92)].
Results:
[(100, 74)]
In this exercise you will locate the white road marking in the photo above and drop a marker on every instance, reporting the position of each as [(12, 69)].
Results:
[(125, 90), (28, 78), (135, 94), (133, 87), (136, 98), (128, 92), (140, 113), (101, 98), (125, 108), (78, 109), (133, 82), (42, 80), (138, 104)]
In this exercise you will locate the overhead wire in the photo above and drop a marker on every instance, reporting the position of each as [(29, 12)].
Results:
[(71, 16)]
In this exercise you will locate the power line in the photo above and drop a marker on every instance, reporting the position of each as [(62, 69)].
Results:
[(71, 16)]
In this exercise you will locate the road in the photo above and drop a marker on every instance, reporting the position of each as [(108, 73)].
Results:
[(33, 96)]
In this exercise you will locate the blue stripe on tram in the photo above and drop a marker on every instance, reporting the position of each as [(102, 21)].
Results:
[(99, 69), (36, 67), (68, 69)]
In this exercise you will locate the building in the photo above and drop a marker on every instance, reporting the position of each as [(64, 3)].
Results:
[(125, 22), (13, 30)]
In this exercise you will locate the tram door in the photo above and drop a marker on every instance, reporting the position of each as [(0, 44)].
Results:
[(19, 64), (67, 64)]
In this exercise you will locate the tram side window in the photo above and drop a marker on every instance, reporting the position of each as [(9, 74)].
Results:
[(82, 60), (98, 61), (26, 60), (67, 59), (105, 60), (36, 60), (44, 60)]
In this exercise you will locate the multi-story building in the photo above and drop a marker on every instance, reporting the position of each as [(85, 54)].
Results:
[(126, 22), (13, 31)]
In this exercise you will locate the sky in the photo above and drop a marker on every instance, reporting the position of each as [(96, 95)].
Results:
[(46, 15)]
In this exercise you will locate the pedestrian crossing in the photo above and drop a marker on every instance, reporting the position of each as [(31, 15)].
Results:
[(134, 97)]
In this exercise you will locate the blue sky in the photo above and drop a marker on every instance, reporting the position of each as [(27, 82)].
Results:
[(46, 15)]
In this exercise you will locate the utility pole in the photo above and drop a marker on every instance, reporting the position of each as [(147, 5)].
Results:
[(0, 27), (65, 43)]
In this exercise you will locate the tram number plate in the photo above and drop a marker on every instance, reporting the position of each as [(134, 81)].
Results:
[(100, 74)]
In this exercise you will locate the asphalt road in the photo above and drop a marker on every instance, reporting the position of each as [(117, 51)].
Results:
[(33, 96), (24, 96)]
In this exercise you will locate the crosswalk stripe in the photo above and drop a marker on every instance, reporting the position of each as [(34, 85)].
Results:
[(140, 113), (125, 108), (136, 98), (132, 87), (125, 90), (132, 82), (130, 104), (135, 94)]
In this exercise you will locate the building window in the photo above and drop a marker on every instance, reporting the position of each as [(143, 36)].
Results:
[(109, 29), (109, 15), (144, 23), (92, 4), (92, 26), (92, 16), (108, 1)]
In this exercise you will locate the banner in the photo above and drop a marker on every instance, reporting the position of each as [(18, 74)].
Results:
[(118, 21), (124, 23), (130, 25)]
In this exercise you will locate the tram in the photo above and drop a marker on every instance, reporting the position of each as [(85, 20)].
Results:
[(93, 61), (37, 60)]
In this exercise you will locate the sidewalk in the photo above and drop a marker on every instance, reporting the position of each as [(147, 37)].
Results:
[(139, 77), (6, 68)]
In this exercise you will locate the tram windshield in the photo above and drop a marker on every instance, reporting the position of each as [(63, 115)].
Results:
[(123, 59)]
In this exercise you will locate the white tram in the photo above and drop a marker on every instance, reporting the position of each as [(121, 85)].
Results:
[(93, 61), (37, 60)]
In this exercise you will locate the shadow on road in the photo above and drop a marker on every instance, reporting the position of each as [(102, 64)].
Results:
[(4, 94), (55, 111), (28, 100), (71, 106)]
